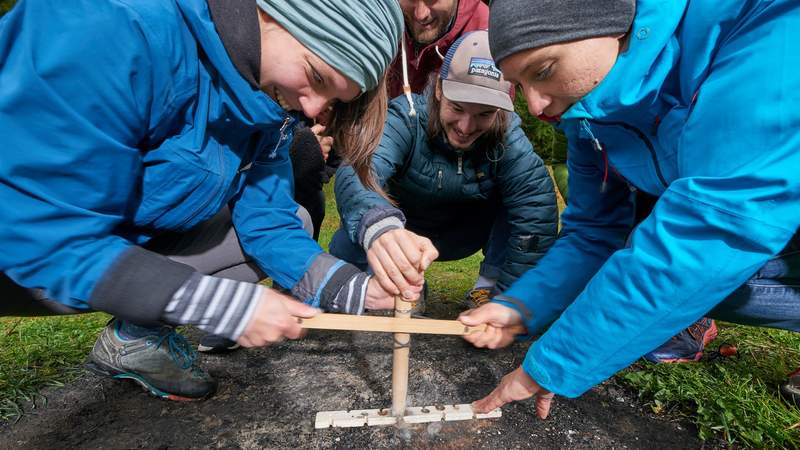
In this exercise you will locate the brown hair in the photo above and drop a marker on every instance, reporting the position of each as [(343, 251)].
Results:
[(494, 136), (357, 128)]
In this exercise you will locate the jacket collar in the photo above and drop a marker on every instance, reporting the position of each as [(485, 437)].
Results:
[(236, 22), (255, 107)]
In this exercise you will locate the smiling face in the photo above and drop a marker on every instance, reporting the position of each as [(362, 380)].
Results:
[(296, 78), (427, 20), (554, 77), (463, 123)]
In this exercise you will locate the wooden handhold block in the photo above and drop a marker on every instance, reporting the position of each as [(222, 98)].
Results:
[(387, 324)]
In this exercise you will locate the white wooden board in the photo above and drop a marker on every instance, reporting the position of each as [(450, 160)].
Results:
[(414, 414)]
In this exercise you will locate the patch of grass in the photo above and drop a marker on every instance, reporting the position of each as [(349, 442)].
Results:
[(42, 351), (736, 397)]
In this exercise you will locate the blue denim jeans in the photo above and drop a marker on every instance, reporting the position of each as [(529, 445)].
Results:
[(771, 297), (494, 245)]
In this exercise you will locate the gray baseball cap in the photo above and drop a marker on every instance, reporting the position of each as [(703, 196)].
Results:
[(469, 74)]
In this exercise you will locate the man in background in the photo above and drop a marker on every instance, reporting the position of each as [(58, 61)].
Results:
[(431, 28)]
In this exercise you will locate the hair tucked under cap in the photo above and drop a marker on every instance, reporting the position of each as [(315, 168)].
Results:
[(359, 38), (546, 22)]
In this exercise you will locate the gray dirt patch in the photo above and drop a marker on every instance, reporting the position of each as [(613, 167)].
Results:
[(268, 399)]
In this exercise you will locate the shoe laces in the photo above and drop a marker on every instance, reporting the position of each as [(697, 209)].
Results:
[(180, 350), (698, 330), (480, 296)]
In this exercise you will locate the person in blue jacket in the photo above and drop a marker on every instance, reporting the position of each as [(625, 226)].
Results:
[(692, 101), (134, 131), (462, 176)]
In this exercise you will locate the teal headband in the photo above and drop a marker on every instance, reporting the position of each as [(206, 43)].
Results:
[(359, 38)]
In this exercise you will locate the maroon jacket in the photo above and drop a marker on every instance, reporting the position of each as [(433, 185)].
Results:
[(471, 15)]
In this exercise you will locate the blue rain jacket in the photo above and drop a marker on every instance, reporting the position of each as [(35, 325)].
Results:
[(128, 121), (701, 110)]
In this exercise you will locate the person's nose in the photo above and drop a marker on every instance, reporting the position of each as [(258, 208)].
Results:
[(466, 125), (537, 101), (421, 11), (313, 105)]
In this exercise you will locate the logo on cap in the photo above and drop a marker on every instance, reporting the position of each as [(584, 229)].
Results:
[(483, 67)]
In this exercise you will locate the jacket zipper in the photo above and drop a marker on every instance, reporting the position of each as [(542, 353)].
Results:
[(282, 137), (439, 176), (644, 139), (598, 147), (273, 153), (460, 164)]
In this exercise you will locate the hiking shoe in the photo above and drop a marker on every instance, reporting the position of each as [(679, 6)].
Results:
[(211, 343), (687, 345), (163, 364), (477, 297), (790, 388)]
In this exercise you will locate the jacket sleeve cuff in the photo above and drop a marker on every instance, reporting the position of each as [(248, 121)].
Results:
[(523, 311), (219, 306), (323, 280), (370, 222), (352, 297), (552, 376), (380, 227), (139, 285)]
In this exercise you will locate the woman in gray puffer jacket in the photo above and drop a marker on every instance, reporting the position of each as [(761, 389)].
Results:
[(461, 174)]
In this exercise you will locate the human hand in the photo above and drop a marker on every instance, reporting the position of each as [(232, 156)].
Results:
[(503, 324), (325, 142), (399, 259), (377, 297), (515, 386), (275, 319)]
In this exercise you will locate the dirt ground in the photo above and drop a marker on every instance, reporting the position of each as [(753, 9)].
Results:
[(268, 398)]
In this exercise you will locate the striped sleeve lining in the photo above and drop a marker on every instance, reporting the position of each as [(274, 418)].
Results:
[(217, 305), (351, 298)]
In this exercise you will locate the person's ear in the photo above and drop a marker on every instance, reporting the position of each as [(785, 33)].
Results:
[(438, 91), (623, 42)]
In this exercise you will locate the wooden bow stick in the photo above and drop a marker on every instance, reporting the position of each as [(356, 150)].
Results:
[(388, 324)]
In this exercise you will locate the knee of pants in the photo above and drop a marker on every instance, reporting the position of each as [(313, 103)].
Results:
[(21, 302), (304, 216), (343, 248), (489, 270)]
